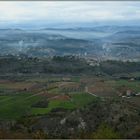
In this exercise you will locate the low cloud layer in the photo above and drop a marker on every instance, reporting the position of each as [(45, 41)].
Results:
[(68, 11)]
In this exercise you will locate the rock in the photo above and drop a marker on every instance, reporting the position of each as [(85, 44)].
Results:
[(63, 121)]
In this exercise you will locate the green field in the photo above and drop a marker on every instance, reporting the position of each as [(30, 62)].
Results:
[(77, 100), (15, 106)]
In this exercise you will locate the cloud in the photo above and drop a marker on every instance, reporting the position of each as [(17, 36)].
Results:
[(67, 11)]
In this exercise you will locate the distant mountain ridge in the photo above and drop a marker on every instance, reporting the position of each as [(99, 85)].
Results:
[(109, 42)]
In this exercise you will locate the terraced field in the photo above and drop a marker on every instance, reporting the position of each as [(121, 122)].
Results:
[(19, 102), (39, 96)]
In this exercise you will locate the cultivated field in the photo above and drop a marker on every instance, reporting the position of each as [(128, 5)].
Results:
[(40, 95)]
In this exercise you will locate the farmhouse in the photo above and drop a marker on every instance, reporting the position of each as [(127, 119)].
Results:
[(127, 93)]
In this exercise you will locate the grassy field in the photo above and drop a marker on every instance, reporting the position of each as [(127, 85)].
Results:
[(15, 106), (77, 100)]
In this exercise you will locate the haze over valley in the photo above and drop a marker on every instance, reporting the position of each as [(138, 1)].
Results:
[(104, 42), (70, 70)]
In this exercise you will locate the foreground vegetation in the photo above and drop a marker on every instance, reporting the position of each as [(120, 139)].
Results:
[(40, 98)]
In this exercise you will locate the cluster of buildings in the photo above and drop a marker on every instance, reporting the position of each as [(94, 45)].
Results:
[(129, 93)]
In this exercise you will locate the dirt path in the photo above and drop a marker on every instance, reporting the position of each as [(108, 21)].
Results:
[(87, 91), (40, 93)]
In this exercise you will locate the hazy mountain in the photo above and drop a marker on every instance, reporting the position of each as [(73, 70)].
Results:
[(105, 41)]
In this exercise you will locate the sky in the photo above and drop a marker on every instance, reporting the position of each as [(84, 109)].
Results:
[(52, 13)]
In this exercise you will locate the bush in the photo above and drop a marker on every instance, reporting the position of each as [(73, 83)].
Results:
[(105, 132)]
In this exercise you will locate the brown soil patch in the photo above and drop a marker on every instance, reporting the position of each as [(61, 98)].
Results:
[(35, 87), (63, 84), (48, 95), (16, 85), (61, 97), (71, 86), (102, 89), (4, 81)]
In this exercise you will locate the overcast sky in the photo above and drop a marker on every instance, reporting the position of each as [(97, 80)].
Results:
[(68, 11)]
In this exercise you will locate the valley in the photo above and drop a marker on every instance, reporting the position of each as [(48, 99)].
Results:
[(70, 70), (63, 103), (101, 42)]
